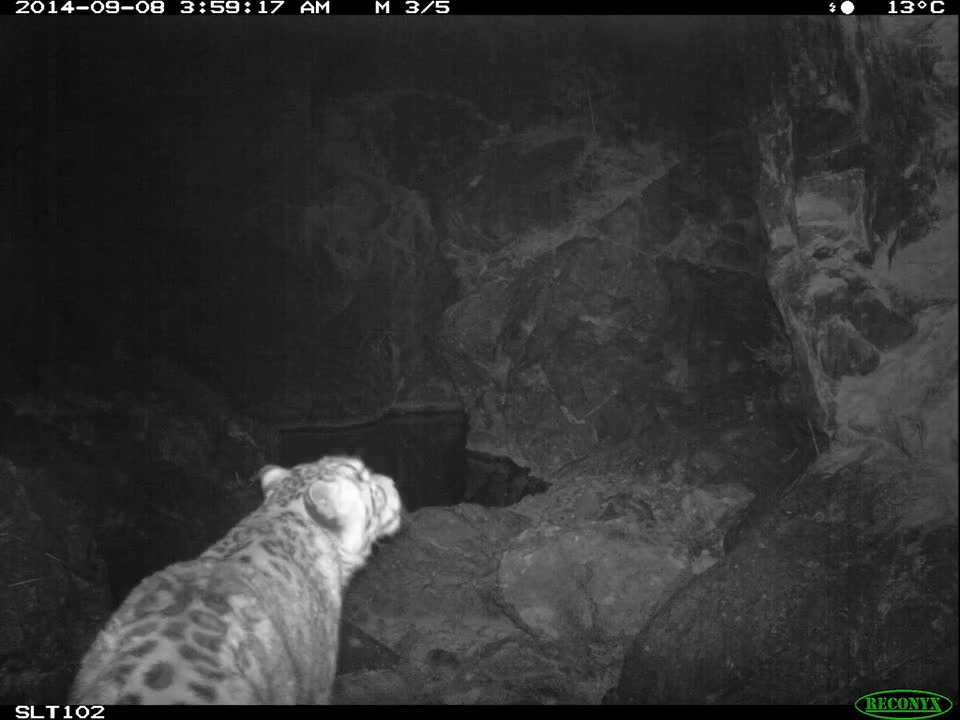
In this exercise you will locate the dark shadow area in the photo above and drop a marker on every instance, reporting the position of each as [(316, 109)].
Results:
[(425, 454)]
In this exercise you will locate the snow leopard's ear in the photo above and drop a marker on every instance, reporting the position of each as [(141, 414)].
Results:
[(270, 476), (330, 502)]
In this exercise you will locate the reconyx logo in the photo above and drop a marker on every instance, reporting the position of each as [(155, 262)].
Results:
[(903, 704)]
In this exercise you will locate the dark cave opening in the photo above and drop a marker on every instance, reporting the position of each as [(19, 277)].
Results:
[(424, 452)]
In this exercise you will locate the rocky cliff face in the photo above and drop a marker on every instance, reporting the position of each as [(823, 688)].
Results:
[(858, 176), (857, 155)]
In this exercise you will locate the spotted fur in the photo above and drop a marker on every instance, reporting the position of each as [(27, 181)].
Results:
[(254, 619)]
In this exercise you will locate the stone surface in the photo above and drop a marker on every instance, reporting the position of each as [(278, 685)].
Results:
[(534, 604), (911, 398), (852, 303), (848, 585), (452, 604), (844, 351), (566, 351), (590, 581)]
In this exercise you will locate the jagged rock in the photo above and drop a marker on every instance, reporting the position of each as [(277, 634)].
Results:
[(589, 581), (910, 400), (880, 324), (844, 351), (434, 585), (854, 313), (477, 604), (540, 378), (831, 214), (801, 611), (574, 350), (462, 636), (867, 308), (710, 511)]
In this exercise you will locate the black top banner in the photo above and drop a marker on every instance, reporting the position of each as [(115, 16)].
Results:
[(244, 8)]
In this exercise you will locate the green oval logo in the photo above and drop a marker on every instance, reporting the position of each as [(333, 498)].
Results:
[(903, 704)]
